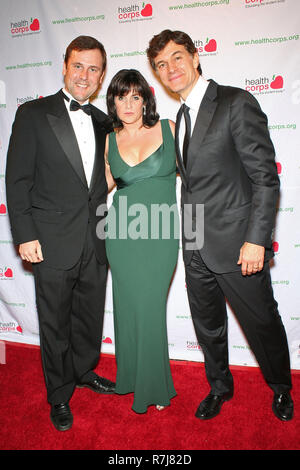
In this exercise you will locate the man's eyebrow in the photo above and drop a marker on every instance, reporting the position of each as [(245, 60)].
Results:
[(89, 65)]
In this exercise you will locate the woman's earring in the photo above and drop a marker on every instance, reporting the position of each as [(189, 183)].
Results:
[(144, 110)]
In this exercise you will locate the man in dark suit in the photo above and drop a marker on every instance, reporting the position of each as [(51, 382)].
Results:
[(227, 164), (55, 181)]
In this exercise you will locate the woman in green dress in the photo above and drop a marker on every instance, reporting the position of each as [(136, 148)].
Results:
[(141, 239)]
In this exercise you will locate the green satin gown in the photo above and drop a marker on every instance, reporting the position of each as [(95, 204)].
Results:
[(142, 250)]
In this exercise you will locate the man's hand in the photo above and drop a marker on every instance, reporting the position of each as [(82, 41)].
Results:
[(251, 258), (31, 251)]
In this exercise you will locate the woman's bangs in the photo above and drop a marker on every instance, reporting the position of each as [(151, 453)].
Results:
[(129, 85)]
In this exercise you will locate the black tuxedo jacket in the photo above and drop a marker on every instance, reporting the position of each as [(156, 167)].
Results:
[(231, 170), (47, 193)]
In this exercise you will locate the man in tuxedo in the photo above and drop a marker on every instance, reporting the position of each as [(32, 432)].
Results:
[(55, 181), (227, 164)]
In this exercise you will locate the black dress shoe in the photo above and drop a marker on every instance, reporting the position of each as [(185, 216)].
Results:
[(211, 405), (283, 406), (61, 416), (99, 385)]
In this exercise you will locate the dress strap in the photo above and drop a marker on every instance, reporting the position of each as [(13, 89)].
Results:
[(112, 146), (168, 137)]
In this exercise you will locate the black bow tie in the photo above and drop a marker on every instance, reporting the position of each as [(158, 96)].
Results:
[(74, 106)]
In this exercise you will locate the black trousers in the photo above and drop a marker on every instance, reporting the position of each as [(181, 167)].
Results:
[(70, 310), (252, 300)]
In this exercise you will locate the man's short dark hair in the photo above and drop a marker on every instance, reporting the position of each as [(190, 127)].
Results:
[(84, 43), (159, 42)]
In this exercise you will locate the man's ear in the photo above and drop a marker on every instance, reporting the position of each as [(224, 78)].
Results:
[(196, 60)]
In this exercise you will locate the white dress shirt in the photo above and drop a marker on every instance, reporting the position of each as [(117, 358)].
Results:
[(84, 131), (193, 101)]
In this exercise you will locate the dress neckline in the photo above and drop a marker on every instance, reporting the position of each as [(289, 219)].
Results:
[(145, 159)]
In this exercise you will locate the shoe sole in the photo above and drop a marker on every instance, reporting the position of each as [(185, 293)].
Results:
[(93, 390)]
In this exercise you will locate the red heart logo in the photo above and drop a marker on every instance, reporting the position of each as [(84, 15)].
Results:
[(35, 25), (8, 273), (277, 83), (2, 209), (147, 11), (211, 46), (107, 340), (275, 246), (19, 329), (279, 167)]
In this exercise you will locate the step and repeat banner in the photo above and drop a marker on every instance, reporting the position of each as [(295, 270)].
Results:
[(250, 44)]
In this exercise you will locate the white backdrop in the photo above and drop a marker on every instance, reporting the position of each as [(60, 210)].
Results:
[(251, 44)]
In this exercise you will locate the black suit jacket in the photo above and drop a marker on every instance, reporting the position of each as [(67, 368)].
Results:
[(231, 170), (47, 193)]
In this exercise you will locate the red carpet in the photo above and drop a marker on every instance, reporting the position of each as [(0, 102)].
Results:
[(108, 423)]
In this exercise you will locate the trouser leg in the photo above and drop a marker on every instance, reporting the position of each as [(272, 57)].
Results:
[(209, 314), (70, 309), (54, 304), (87, 313), (253, 303)]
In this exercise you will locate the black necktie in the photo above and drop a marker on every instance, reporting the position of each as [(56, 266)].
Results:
[(187, 135), (74, 106)]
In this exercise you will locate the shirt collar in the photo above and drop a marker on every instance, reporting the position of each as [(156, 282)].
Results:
[(195, 97)]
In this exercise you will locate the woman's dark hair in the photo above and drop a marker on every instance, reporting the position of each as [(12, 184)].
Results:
[(159, 42), (122, 83), (84, 43)]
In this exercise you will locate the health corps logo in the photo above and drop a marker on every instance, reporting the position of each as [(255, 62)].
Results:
[(6, 273), (6, 327), (28, 98), (252, 2), (258, 3), (135, 12), (263, 85), (193, 345), (23, 27), (207, 47)]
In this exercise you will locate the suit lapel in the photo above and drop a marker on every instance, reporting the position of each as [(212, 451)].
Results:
[(204, 118), (62, 127)]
